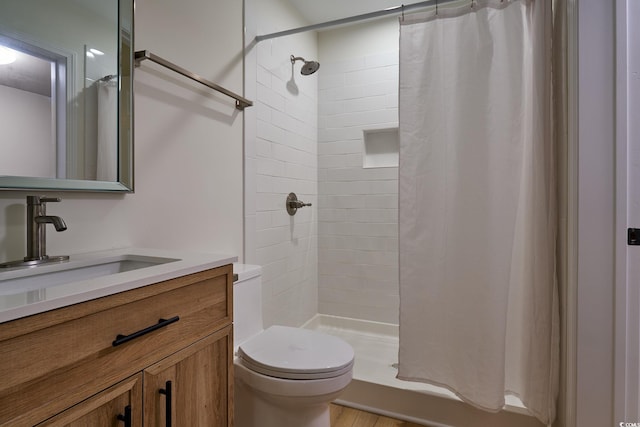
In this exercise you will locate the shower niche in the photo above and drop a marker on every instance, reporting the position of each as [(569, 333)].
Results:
[(381, 148)]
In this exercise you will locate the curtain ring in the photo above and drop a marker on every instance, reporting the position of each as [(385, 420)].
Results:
[(472, 3), (436, 7), (402, 12)]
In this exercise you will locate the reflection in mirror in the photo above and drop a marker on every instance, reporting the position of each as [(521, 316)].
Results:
[(32, 110), (65, 94)]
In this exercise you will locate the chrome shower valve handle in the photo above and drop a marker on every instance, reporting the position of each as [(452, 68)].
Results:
[(293, 204)]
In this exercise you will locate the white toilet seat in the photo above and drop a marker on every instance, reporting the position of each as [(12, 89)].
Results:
[(316, 389), (297, 354)]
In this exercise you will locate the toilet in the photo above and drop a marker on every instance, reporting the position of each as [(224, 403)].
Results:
[(284, 376)]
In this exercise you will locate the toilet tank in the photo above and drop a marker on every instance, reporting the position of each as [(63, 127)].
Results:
[(247, 302)]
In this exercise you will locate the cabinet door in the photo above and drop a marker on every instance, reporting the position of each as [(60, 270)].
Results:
[(117, 406), (193, 386)]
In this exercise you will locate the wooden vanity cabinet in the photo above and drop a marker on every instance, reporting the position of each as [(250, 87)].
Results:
[(89, 365), (119, 404), (191, 384)]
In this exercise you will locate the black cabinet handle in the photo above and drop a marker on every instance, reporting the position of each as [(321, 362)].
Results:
[(126, 417), (167, 407), (121, 339)]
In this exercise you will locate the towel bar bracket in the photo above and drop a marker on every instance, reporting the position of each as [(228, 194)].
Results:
[(141, 55)]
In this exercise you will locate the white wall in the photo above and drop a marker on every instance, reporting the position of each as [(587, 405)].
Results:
[(627, 291), (281, 157), (596, 214), (25, 120), (357, 207), (633, 192), (188, 147)]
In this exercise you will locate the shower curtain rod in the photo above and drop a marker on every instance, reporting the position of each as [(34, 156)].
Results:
[(396, 10)]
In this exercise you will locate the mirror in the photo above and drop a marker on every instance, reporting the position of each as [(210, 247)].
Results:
[(66, 95)]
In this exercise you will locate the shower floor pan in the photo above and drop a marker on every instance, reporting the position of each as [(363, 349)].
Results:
[(375, 388)]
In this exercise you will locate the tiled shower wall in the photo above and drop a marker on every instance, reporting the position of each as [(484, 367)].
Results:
[(357, 207), (281, 157), (305, 134)]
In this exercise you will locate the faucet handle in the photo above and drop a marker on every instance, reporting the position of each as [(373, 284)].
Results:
[(50, 199), (37, 200)]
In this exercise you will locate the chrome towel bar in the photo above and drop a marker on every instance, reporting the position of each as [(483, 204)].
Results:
[(141, 55)]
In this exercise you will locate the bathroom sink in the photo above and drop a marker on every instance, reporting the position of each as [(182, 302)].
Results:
[(48, 276), (25, 291)]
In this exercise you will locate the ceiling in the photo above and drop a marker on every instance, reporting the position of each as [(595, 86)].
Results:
[(316, 11), (28, 73)]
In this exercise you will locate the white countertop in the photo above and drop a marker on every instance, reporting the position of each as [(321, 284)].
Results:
[(21, 302)]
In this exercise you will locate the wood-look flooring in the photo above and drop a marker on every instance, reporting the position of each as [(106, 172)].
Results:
[(342, 416)]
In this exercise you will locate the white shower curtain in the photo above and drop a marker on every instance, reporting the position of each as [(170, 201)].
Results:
[(478, 291), (107, 152)]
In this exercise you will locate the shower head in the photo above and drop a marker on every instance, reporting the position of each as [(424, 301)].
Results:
[(309, 67)]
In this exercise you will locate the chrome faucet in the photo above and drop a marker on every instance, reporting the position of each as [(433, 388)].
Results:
[(37, 219)]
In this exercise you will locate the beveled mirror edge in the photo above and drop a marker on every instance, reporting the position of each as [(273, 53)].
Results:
[(28, 183), (125, 126), (126, 163)]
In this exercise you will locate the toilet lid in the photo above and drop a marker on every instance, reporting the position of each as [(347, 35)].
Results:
[(295, 353)]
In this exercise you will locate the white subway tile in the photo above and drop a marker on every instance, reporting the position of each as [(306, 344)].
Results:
[(269, 167), (338, 134), (372, 215), (331, 108), (333, 215), (387, 315), (378, 258), (336, 256), (270, 97), (371, 299), (285, 154), (382, 59), (371, 75), (380, 88), (380, 173), (331, 80), (263, 220), (300, 172), (283, 121), (374, 243), (274, 271), (383, 187), (386, 201), (269, 132), (263, 76), (332, 161), (350, 92), (340, 147), (262, 148), (271, 236), (391, 101), (270, 254), (369, 103), (263, 111), (265, 59), (343, 66), (368, 119), (268, 202), (264, 184), (350, 201)]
